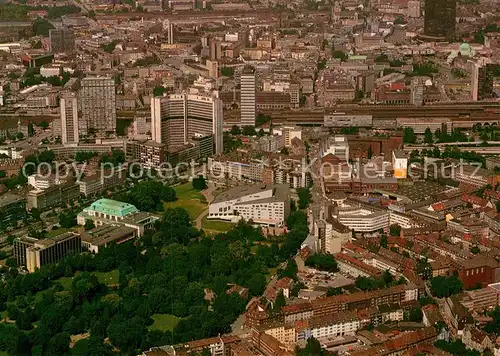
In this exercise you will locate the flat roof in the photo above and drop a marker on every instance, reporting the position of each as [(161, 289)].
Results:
[(9, 198), (104, 234), (54, 240), (280, 192)]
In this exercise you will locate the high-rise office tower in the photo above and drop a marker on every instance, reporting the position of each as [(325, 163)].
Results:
[(69, 118), (170, 32), (417, 91), (414, 8), (98, 104), (248, 103), (62, 40), (439, 20), (485, 82), (474, 80), (177, 119), (215, 49)]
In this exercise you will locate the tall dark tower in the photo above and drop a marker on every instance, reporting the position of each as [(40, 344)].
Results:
[(439, 21)]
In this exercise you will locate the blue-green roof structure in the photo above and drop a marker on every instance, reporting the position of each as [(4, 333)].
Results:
[(112, 207)]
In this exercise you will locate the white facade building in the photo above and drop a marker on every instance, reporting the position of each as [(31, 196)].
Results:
[(69, 118), (248, 102), (263, 204), (364, 220)]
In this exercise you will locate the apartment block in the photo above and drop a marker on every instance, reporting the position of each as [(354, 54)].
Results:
[(52, 196)]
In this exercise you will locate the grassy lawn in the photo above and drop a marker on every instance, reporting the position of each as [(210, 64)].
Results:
[(110, 279), (58, 231), (217, 225), (164, 322), (189, 199)]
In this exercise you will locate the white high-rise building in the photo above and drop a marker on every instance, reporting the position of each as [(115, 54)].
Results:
[(248, 102), (414, 8), (69, 118), (98, 104), (178, 118), (474, 80)]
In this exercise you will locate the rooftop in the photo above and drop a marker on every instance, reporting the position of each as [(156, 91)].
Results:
[(280, 192), (112, 207), (102, 235), (9, 198)]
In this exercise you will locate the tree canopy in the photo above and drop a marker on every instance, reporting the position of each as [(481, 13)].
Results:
[(149, 195), (442, 286), (304, 197), (323, 262)]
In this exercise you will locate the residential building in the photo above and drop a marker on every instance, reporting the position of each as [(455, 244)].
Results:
[(354, 267), (93, 184), (53, 196), (271, 143), (12, 210), (338, 324), (289, 133), (457, 314), (98, 104), (90, 185), (69, 118), (478, 300), (336, 145), (359, 300), (216, 346), (478, 340), (248, 101), (152, 154), (262, 204), (397, 346)]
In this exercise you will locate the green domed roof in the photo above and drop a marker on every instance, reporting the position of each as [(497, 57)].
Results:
[(465, 46)]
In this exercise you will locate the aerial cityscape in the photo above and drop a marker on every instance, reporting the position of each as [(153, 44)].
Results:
[(250, 178)]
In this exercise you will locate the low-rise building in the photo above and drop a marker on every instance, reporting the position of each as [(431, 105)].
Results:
[(53, 196), (12, 210), (262, 204), (107, 211), (104, 235)]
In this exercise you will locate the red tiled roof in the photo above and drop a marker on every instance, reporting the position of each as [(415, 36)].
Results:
[(357, 263), (296, 308), (473, 199), (492, 194), (438, 207)]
